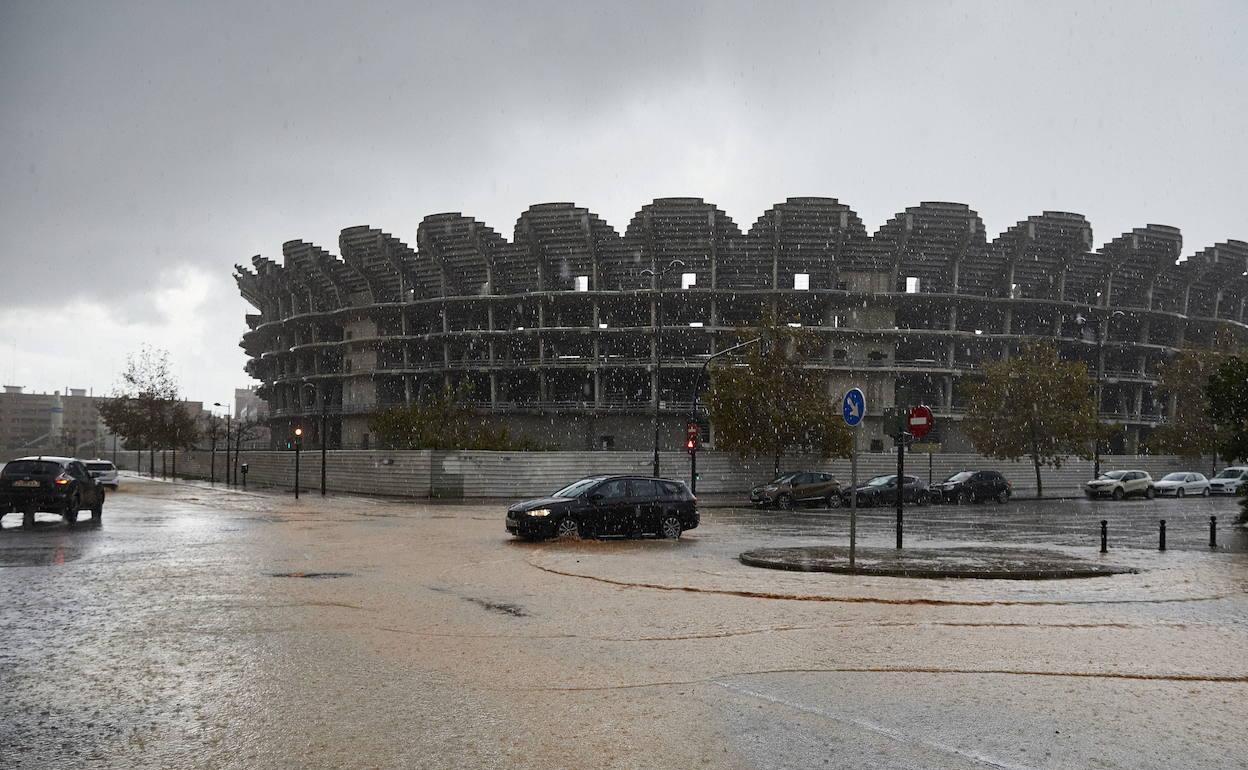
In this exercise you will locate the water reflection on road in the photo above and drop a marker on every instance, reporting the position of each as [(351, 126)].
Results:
[(180, 634)]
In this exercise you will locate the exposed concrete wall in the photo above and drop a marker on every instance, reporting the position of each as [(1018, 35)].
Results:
[(455, 474)]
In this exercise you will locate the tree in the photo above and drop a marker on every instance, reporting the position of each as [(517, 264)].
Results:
[(1190, 429), (1033, 405), (442, 420), (1227, 392), (770, 404), (138, 409)]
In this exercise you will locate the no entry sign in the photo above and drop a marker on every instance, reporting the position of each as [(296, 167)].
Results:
[(919, 421)]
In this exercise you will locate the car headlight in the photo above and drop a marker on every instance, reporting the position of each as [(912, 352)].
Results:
[(539, 512)]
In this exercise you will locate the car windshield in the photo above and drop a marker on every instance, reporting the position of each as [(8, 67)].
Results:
[(577, 488), (1229, 473), (31, 468), (99, 466), (880, 481), (1174, 477), (963, 476), (1113, 475)]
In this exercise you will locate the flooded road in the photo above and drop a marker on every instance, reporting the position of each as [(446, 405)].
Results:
[(203, 628)]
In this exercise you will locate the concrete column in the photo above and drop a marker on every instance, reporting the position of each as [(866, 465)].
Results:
[(953, 318), (948, 394), (493, 390), (541, 386), (1139, 401), (714, 319), (654, 387), (1009, 321), (1133, 440), (597, 387)]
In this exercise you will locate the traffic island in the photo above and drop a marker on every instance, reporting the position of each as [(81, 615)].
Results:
[(962, 562)]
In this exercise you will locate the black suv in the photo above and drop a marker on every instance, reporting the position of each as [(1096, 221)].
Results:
[(966, 487), (882, 490), (59, 485), (607, 505)]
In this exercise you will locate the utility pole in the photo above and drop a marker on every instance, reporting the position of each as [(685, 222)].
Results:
[(693, 409), (658, 347)]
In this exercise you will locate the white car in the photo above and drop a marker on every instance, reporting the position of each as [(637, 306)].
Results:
[(1182, 484), (104, 472), (1229, 481), (1120, 484)]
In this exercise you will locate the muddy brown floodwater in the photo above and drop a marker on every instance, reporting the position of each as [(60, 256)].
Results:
[(200, 628)]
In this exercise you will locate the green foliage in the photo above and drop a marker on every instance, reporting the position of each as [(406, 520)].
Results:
[(1227, 392), (443, 421), (1033, 405), (770, 405), (1191, 429)]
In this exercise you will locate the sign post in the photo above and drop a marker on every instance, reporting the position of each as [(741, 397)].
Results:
[(853, 407), (916, 424)]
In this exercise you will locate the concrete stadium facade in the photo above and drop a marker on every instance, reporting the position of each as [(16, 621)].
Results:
[(554, 330)]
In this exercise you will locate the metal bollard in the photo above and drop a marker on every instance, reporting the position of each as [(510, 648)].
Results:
[(1213, 531), (1161, 537), (1104, 537)]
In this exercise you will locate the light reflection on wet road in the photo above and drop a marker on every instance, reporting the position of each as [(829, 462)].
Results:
[(163, 639)]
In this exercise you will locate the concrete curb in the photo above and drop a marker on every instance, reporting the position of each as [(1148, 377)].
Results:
[(1024, 564)]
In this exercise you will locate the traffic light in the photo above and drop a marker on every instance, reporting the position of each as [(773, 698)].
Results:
[(692, 437), (298, 441)]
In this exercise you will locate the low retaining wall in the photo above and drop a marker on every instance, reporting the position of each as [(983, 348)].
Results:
[(469, 474)]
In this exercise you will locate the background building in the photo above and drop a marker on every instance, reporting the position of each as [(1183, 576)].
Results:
[(553, 331), (58, 424)]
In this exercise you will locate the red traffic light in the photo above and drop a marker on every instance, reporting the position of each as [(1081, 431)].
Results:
[(692, 436)]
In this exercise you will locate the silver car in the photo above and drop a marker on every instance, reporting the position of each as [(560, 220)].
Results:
[(1182, 484), (104, 473), (1120, 484), (1229, 480)]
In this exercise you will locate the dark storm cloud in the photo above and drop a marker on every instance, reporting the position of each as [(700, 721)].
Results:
[(145, 140)]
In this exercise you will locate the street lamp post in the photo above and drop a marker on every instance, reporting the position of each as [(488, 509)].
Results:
[(675, 264), (298, 446), (321, 435), (693, 410), (227, 440), (1101, 336)]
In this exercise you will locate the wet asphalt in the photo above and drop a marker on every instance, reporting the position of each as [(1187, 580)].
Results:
[(205, 628)]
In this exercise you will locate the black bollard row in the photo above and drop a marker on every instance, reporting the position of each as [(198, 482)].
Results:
[(1213, 531), (1161, 537), (1104, 536)]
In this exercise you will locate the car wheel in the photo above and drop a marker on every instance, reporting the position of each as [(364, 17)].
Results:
[(920, 498), (1179, 492), (1119, 493), (669, 527), (97, 510), (1150, 493), (28, 518), (832, 501), (71, 511), (568, 528), (1003, 497), (1204, 492), (784, 502), (965, 498)]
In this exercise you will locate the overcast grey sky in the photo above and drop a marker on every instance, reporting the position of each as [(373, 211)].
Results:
[(147, 147)]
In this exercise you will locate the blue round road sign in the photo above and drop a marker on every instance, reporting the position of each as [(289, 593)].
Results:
[(853, 407)]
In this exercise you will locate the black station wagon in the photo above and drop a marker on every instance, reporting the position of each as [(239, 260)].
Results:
[(629, 506)]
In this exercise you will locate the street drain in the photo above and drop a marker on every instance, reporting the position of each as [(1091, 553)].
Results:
[(314, 575)]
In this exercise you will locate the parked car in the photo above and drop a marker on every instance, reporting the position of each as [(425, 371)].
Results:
[(798, 488), (882, 490), (1120, 484), (607, 505), (1182, 484), (966, 487), (1229, 481), (60, 485), (103, 472)]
